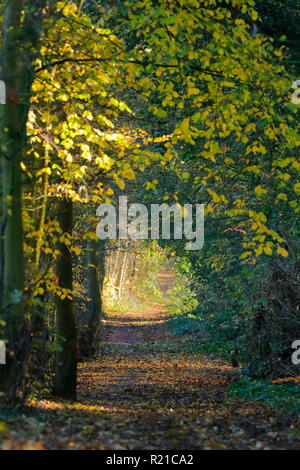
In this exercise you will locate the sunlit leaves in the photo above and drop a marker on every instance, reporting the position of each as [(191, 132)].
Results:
[(233, 91)]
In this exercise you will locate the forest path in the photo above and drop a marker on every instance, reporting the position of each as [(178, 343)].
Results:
[(146, 392), (152, 394)]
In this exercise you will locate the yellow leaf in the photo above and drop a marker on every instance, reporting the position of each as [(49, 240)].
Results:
[(268, 250), (254, 15), (282, 251), (193, 91), (259, 191), (282, 197), (3, 427)]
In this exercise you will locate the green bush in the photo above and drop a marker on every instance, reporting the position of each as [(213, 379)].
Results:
[(286, 396)]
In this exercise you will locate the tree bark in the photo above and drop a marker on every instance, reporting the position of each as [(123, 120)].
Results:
[(12, 135), (123, 273), (66, 361), (92, 314), (20, 46)]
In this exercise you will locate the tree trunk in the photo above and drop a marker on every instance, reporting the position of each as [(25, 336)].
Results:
[(102, 273), (123, 273), (66, 363), (92, 314)]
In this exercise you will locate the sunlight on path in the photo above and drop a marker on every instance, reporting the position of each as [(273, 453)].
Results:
[(158, 397), (146, 392)]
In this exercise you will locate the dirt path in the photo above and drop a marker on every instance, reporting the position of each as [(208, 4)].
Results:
[(144, 392)]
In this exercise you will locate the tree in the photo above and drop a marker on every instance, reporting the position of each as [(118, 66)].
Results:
[(66, 363), (94, 271)]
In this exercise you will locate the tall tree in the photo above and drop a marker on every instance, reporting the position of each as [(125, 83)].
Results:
[(66, 364), (94, 282), (21, 34)]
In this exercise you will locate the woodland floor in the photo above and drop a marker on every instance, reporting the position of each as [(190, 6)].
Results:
[(145, 392)]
